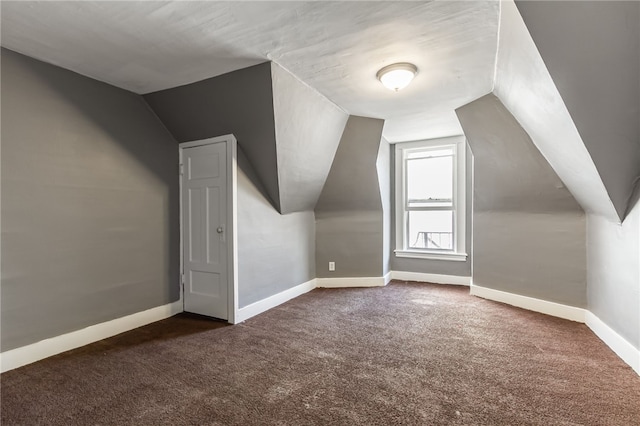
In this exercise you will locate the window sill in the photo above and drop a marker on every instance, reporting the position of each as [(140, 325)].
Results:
[(456, 257)]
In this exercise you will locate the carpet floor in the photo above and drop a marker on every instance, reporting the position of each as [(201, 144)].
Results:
[(405, 354)]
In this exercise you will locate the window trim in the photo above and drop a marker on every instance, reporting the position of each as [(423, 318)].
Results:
[(459, 200)]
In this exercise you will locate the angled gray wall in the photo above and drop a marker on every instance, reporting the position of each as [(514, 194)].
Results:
[(592, 51), (529, 232), (90, 228), (308, 128), (275, 251), (383, 166), (240, 102), (613, 276), (287, 134), (349, 229), (526, 89)]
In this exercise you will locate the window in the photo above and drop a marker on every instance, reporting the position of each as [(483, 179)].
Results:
[(430, 199)]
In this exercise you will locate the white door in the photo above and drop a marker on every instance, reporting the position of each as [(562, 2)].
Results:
[(204, 230)]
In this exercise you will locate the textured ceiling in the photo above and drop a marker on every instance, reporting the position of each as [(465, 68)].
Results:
[(335, 47)]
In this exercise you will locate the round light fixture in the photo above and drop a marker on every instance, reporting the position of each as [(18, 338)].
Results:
[(397, 76)]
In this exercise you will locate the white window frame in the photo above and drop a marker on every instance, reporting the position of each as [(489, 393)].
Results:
[(459, 199)]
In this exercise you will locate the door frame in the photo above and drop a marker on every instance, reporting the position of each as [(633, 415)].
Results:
[(232, 216)]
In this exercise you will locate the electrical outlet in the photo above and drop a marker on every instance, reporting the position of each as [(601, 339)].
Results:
[(332, 266)]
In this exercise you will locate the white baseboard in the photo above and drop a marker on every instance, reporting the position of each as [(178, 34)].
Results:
[(351, 282), (263, 305), (537, 305), (430, 278), (24, 355), (625, 350), (18, 357)]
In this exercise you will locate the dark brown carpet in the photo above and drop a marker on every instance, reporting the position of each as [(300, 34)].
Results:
[(408, 353)]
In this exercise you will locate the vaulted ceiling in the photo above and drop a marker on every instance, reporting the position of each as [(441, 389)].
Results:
[(335, 47), (463, 50)]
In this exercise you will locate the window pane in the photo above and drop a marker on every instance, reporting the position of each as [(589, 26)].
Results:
[(431, 230), (425, 153), (430, 181)]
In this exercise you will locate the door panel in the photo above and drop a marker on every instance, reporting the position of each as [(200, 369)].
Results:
[(213, 223), (205, 283), (195, 224), (203, 167), (204, 189)]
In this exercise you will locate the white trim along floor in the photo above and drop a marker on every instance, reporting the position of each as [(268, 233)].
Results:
[(18, 357)]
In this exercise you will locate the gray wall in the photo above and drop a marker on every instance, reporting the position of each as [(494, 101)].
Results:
[(529, 232), (383, 166), (288, 131), (592, 51), (430, 266), (308, 129), (240, 102), (524, 86), (613, 277), (90, 224), (349, 215), (275, 252)]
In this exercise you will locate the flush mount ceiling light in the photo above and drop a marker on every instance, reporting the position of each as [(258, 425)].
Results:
[(397, 76)]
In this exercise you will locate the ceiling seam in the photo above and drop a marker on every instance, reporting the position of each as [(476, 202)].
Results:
[(308, 85), (495, 62)]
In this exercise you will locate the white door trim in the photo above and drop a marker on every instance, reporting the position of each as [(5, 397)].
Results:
[(232, 215)]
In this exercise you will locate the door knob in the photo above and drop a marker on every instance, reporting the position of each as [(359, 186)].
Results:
[(219, 229)]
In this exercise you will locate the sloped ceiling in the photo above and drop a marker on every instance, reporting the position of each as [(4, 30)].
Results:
[(526, 89), (288, 131), (335, 47), (240, 102), (352, 184), (463, 50), (510, 174), (595, 64), (308, 129)]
